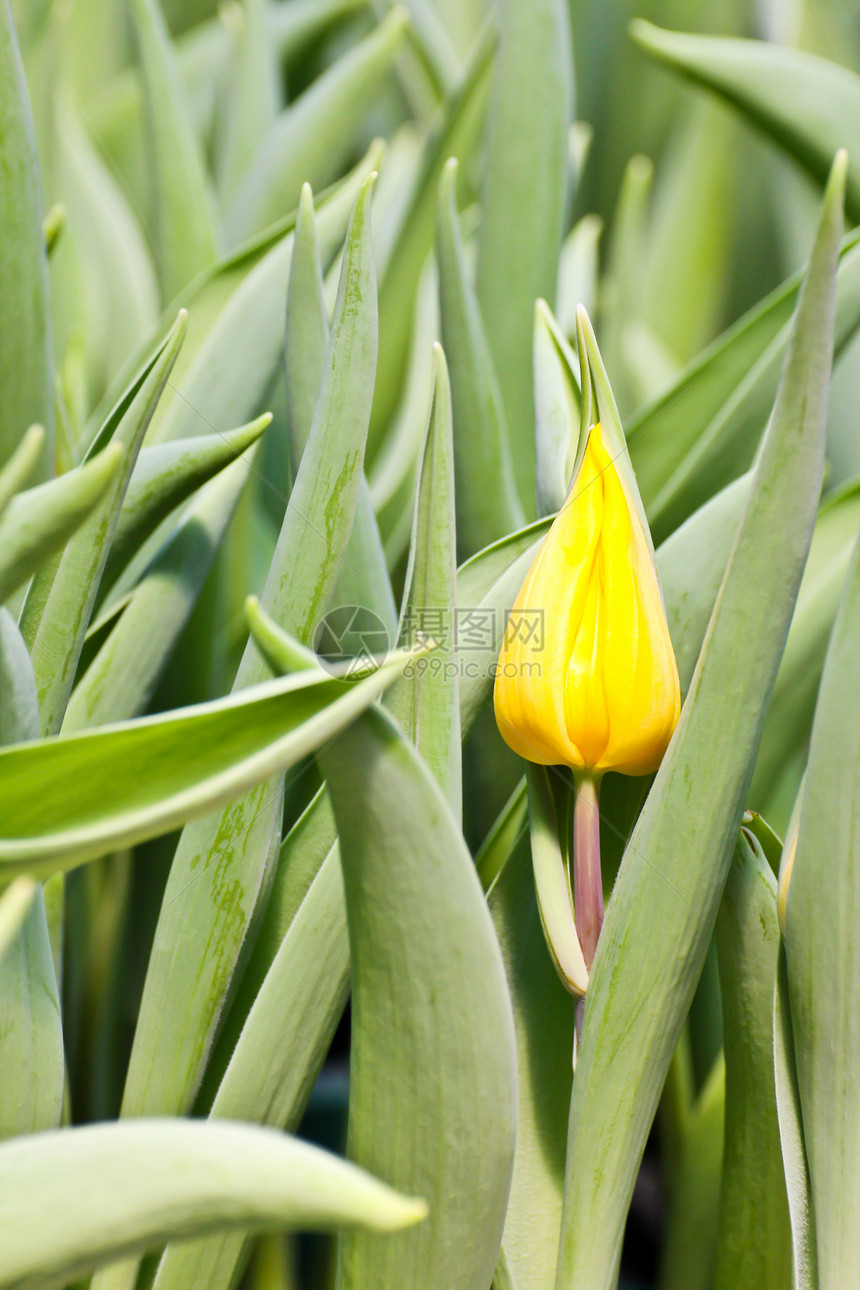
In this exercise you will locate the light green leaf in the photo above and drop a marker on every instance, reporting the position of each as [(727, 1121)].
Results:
[(60, 599), (198, 758), (789, 717), (820, 939), (487, 502), (425, 700), (558, 409), (280, 1051), (20, 466), (182, 217), (306, 338), (166, 475), (32, 1070), (677, 858), (577, 271), (433, 1065), (754, 1242), (26, 377), (704, 430), (796, 1171), (121, 678), (122, 1189), (543, 1023), (38, 521), (456, 134), (621, 288), (807, 104), (313, 138), (523, 203), (510, 825), (222, 865), (235, 340), (253, 94), (687, 1258)]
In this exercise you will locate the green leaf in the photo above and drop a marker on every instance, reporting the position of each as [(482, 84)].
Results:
[(15, 904), (820, 918), (197, 758), (523, 203), (281, 1048), (487, 502), (433, 1066), (20, 466), (796, 1172), (166, 475), (754, 1243), (455, 134), (543, 1024), (26, 376), (789, 717), (307, 331), (807, 104), (425, 700), (704, 430), (313, 138), (182, 218), (121, 679), (38, 521), (222, 865), (61, 597), (678, 856), (165, 1178), (558, 410), (253, 95), (687, 1260), (235, 339), (19, 705)]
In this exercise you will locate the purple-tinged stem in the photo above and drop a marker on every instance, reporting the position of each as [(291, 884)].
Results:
[(587, 878)]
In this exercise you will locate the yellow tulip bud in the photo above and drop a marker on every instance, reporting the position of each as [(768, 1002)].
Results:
[(596, 689)]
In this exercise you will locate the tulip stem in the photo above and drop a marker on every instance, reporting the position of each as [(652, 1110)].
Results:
[(587, 878)]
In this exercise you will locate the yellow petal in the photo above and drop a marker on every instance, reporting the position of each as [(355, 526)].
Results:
[(587, 673)]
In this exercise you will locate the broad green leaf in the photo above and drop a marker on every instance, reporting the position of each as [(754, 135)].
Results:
[(222, 865), (26, 376), (523, 203), (279, 1053), (433, 1064), (253, 96), (543, 1023), (122, 1189), (166, 475), (122, 677), (789, 717), (455, 134), (311, 139), (61, 596), (754, 1242), (182, 217), (425, 700), (820, 916), (687, 1258), (32, 1071), (198, 758), (487, 502), (807, 104), (678, 856), (37, 522), (795, 1166)]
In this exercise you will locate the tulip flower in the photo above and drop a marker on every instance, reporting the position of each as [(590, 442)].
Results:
[(587, 676)]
